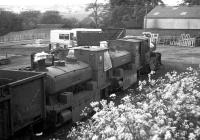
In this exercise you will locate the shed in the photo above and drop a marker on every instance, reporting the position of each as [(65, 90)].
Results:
[(173, 17)]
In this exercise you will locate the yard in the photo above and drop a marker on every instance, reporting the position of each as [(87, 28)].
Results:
[(178, 58)]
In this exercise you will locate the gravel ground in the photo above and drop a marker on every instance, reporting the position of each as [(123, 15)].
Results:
[(178, 58), (180, 55)]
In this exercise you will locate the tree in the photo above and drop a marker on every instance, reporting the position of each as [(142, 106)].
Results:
[(87, 22), (9, 22), (191, 2), (30, 19), (131, 10), (51, 17), (70, 23), (98, 12)]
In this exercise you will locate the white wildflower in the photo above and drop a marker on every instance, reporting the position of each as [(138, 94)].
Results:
[(94, 104), (126, 99), (108, 130), (168, 135), (145, 106), (122, 107), (152, 72), (96, 109), (95, 137), (155, 137), (142, 133), (103, 103), (160, 113), (112, 138), (192, 136), (112, 95), (190, 69)]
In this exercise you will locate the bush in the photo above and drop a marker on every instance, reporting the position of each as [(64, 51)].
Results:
[(167, 108)]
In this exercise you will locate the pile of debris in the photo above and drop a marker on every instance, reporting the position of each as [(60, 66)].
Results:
[(184, 40)]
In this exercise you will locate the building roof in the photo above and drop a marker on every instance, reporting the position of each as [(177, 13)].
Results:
[(182, 12)]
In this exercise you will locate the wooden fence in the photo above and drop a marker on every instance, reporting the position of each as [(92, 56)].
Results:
[(26, 35)]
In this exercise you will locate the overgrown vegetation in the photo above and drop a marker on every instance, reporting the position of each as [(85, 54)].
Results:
[(191, 2), (121, 13), (167, 108), (26, 20), (112, 13)]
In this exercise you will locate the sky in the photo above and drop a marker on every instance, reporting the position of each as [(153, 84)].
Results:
[(44, 2), (59, 5), (172, 2), (59, 2)]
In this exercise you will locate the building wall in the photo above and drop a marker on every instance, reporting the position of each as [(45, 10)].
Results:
[(172, 23)]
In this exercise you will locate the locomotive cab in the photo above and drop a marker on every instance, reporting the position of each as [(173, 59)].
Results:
[(139, 49)]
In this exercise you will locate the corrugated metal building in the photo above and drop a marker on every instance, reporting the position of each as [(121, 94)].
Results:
[(169, 17)]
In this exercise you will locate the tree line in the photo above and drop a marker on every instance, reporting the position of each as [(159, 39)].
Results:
[(125, 13), (26, 20), (114, 13)]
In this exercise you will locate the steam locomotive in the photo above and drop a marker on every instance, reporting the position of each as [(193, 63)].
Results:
[(57, 89)]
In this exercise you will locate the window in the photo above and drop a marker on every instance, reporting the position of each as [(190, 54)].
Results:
[(64, 36)]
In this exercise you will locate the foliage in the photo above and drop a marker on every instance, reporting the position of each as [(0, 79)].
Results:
[(51, 17), (191, 2), (87, 23), (125, 12), (26, 20), (9, 22), (70, 23), (30, 19), (98, 11), (167, 108)]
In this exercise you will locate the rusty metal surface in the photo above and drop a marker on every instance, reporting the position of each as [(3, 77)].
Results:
[(137, 46), (94, 38), (26, 103), (62, 77), (5, 120), (120, 58)]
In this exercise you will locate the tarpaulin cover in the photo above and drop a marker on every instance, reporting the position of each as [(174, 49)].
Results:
[(40, 56), (107, 61)]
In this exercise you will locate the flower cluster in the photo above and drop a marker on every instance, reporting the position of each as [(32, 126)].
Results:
[(167, 108)]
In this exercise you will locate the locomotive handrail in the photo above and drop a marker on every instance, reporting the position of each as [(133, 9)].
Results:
[(68, 72)]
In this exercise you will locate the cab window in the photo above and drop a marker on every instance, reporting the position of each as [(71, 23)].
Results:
[(64, 36)]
